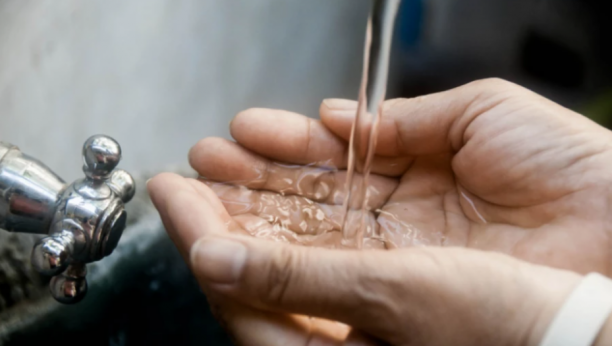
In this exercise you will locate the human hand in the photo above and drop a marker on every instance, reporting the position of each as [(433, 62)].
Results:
[(263, 291), (546, 203), (488, 165)]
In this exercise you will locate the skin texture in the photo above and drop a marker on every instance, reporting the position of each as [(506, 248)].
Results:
[(505, 184)]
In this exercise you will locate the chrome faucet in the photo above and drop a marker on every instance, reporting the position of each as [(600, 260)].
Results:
[(83, 221)]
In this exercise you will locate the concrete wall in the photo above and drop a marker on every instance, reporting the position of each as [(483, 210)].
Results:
[(158, 75)]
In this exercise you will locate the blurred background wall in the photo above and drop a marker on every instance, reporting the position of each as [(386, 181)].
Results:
[(157, 75)]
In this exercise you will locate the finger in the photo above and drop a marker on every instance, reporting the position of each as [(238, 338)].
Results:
[(211, 198), (224, 161), (294, 213), (402, 296), (287, 136), (293, 138), (191, 210), (186, 213), (247, 325), (347, 286), (432, 124), (179, 199), (163, 190), (217, 206), (252, 327)]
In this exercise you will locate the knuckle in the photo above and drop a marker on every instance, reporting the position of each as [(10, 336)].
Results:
[(493, 82), (488, 86), (395, 103), (280, 274), (378, 292), (486, 94)]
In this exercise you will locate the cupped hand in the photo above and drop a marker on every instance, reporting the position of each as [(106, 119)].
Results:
[(488, 165), (263, 291)]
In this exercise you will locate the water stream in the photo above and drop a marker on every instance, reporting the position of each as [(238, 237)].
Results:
[(364, 133), (321, 204)]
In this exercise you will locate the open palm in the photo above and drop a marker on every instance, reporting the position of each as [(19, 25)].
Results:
[(488, 165)]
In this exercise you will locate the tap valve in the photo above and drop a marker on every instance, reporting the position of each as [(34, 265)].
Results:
[(83, 220)]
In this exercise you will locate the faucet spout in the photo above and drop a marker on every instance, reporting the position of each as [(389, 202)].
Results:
[(29, 192), (83, 221)]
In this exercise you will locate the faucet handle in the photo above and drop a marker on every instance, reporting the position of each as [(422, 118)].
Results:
[(82, 221), (51, 255), (55, 256), (101, 155), (70, 286), (88, 221)]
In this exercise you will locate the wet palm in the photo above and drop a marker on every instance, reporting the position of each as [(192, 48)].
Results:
[(488, 165)]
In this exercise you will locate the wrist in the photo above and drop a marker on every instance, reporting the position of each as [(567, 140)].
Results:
[(583, 318), (552, 290), (605, 334)]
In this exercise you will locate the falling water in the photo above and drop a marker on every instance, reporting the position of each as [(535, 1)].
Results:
[(364, 132)]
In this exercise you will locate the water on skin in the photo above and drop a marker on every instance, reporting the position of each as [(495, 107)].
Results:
[(364, 132), (319, 205), (473, 207), (291, 210), (316, 220)]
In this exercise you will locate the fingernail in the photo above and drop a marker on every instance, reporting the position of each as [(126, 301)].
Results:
[(218, 260), (340, 104)]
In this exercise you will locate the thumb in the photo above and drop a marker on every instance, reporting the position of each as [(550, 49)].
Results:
[(431, 124), (346, 286), (396, 295)]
